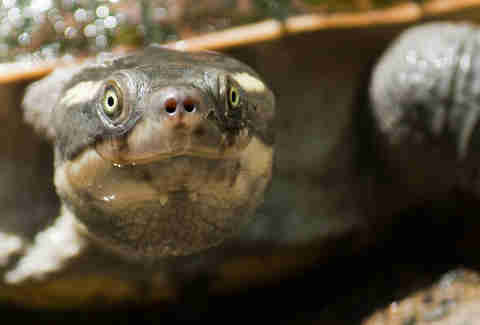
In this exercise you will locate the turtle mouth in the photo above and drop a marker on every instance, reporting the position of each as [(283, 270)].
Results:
[(150, 143)]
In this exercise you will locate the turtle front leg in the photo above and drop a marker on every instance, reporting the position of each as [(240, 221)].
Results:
[(425, 95), (9, 245), (50, 251)]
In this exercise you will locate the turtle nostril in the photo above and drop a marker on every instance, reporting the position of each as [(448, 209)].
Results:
[(171, 106), (189, 106)]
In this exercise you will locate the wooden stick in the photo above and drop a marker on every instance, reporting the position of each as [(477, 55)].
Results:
[(273, 29)]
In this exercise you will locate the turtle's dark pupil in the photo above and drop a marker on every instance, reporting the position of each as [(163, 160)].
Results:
[(234, 97), (110, 101)]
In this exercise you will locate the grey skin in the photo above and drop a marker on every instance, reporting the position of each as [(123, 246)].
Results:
[(424, 95), (158, 154), (115, 178)]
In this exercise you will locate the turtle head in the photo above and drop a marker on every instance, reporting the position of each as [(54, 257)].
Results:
[(160, 153)]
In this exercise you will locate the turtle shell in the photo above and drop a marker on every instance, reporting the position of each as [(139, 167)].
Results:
[(324, 200)]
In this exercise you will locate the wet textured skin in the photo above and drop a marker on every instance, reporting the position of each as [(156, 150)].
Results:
[(156, 183)]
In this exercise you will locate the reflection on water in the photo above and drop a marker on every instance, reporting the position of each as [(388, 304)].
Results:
[(33, 30)]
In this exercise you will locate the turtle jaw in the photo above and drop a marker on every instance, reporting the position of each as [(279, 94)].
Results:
[(150, 142), (174, 206)]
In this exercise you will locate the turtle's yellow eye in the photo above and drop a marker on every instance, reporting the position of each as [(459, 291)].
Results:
[(112, 105), (234, 97)]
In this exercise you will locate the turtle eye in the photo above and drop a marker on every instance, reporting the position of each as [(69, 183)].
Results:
[(233, 97), (112, 102)]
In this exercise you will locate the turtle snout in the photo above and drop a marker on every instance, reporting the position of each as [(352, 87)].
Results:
[(175, 108), (178, 107)]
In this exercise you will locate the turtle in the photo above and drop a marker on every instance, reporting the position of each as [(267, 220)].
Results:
[(340, 164)]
